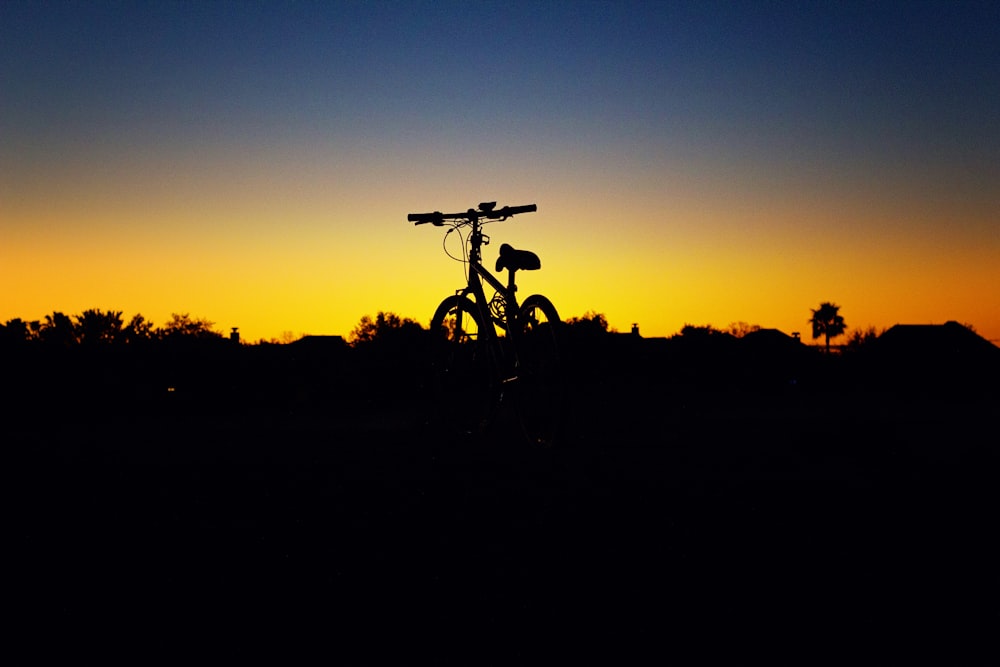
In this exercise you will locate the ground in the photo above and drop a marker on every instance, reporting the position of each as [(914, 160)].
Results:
[(743, 523)]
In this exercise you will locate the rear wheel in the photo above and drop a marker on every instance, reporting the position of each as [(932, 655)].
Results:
[(461, 377), (540, 384)]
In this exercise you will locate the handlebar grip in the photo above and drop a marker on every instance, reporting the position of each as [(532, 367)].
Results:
[(514, 210), (507, 211), (436, 218)]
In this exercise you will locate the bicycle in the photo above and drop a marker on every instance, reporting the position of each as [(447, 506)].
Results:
[(483, 374)]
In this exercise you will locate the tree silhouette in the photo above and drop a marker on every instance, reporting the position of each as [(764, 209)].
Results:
[(741, 329), (58, 330), (394, 351), (15, 331), (591, 323), (386, 326), (182, 325), (94, 327), (138, 330), (861, 339), (692, 332), (827, 321)]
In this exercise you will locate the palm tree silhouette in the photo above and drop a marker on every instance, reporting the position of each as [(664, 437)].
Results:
[(827, 321), (58, 329)]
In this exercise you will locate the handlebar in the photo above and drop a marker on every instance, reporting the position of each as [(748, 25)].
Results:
[(486, 210)]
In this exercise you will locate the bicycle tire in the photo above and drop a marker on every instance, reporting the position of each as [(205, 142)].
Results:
[(461, 375), (541, 383)]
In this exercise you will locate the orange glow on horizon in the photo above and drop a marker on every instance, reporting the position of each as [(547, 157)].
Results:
[(322, 281)]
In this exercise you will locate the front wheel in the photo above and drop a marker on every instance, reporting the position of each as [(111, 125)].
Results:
[(461, 374), (540, 380)]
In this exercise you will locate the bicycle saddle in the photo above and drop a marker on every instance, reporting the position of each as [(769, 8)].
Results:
[(516, 260)]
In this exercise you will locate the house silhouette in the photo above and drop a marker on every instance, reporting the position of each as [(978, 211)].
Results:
[(950, 341), (946, 356)]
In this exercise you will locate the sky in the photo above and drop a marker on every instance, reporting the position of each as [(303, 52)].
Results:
[(253, 163)]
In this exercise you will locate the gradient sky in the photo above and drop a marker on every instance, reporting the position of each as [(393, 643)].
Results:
[(253, 163)]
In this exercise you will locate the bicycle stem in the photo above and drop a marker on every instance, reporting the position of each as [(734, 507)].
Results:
[(476, 242)]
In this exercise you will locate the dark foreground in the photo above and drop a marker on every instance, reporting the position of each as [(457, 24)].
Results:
[(756, 527)]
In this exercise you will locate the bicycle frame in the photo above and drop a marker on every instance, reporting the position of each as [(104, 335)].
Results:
[(478, 273), (474, 287)]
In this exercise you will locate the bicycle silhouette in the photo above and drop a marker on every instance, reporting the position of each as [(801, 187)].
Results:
[(487, 377)]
